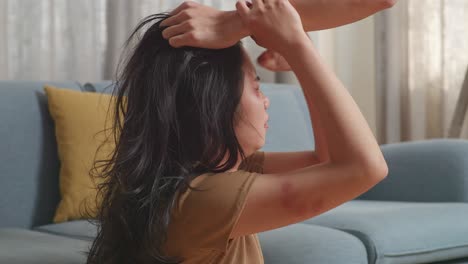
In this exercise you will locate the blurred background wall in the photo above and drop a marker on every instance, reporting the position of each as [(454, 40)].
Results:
[(403, 66)]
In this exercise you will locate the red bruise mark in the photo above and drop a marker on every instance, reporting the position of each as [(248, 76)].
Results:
[(289, 199)]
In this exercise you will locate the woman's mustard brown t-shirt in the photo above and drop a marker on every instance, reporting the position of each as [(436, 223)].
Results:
[(199, 230)]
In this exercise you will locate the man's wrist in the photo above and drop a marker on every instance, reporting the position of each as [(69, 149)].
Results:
[(234, 22)]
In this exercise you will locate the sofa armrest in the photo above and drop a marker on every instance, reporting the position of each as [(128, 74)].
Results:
[(434, 170)]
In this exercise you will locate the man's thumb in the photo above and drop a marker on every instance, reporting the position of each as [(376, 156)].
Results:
[(241, 8)]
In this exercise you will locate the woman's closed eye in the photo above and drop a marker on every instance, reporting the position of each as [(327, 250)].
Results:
[(257, 79)]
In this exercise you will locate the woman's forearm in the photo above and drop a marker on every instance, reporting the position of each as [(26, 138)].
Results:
[(324, 14), (320, 14), (348, 136), (215, 29)]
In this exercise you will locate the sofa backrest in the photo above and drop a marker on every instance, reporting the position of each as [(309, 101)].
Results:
[(29, 165), (28, 154), (290, 127)]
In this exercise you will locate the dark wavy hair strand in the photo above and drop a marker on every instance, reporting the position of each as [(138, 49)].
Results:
[(173, 117)]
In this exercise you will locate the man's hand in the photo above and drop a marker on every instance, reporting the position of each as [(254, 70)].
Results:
[(197, 25)]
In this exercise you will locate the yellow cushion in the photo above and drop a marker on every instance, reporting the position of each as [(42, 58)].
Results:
[(80, 118)]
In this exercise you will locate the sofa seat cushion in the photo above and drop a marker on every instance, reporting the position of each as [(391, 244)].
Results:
[(453, 261), (23, 246), (403, 232), (303, 243), (80, 229)]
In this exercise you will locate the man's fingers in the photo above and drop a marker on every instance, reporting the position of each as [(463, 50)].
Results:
[(174, 20), (176, 30), (242, 8), (182, 40), (186, 4), (258, 3)]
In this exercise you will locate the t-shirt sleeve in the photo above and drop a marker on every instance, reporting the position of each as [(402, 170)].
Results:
[(209, 216), (254, 162)]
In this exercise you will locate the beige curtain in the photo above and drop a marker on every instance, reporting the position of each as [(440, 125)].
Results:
[(52, 40), (349, 51), (81, 40), (422, 57)]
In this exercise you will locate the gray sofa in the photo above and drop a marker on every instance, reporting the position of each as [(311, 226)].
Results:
[(418, 214)]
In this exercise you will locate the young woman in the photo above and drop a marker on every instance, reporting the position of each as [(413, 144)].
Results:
[(187, 182)]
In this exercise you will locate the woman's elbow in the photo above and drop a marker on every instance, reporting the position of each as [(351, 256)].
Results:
[(375, 4), (387, 3), (376, 167), (378, 171)]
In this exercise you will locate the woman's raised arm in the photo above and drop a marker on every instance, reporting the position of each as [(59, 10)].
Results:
[(319, 14), (198, 25), (355, 162)]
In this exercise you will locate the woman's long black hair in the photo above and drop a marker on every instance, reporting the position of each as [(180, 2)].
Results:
[(173, 119)]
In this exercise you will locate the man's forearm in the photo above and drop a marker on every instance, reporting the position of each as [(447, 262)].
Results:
[(325, 14)]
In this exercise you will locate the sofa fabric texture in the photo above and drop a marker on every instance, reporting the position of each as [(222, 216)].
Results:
[(29, 163)]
